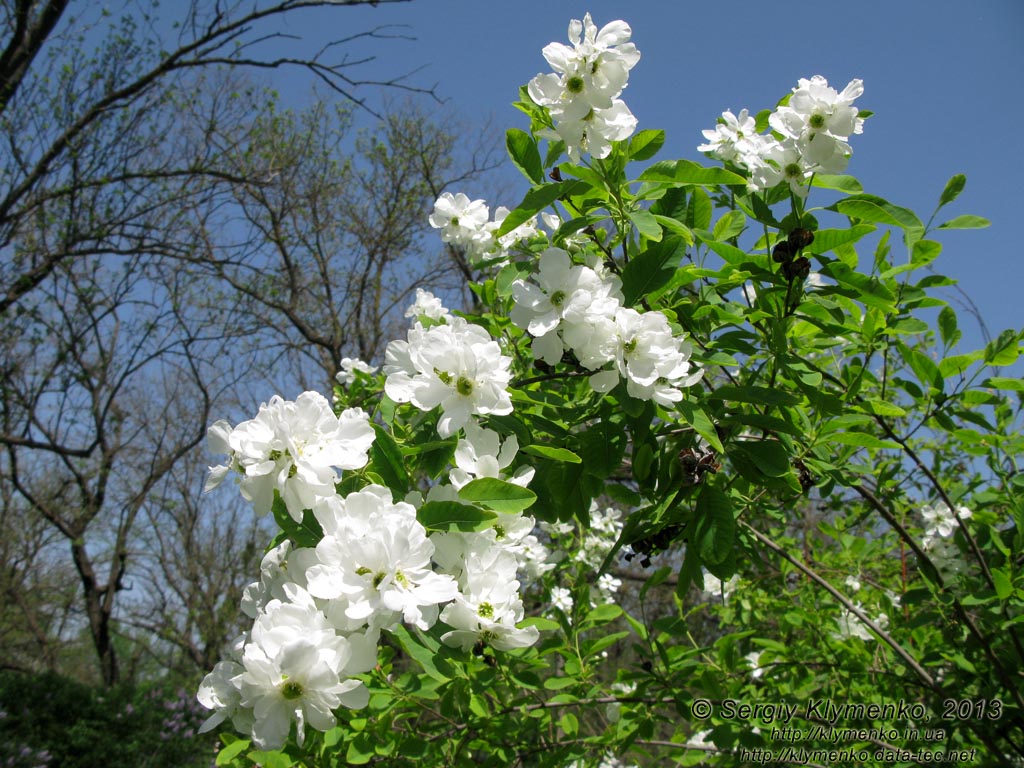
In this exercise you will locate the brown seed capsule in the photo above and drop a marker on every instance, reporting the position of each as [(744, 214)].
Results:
[(798, 269), (782, 252), (800, 238)]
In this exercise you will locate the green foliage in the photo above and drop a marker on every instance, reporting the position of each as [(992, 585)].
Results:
[(50, 720), (781, 518)]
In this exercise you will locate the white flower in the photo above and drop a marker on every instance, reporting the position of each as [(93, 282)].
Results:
[(819, 120), (699, 740), (462, 221), (581, 94), (481, 453), (296, 669), (944, 554), (654, 363), (293, 448), (733, 138), (608, 585), (715, 587), (350, 366), (853, 583), (754, 659), (457, 366), (589, 75), (219, 693), (567, 305), (850, 625), (280, 567), (487, 611), (940, 521), (385, 571), (594, 133), (427, 305), (561, 598)]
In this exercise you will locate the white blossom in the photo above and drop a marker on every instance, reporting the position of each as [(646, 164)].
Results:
[(456, 366), (940, 521), (427, 305), (381, 571), (293, 448), (582, 92), (462, 221), (350, 367)]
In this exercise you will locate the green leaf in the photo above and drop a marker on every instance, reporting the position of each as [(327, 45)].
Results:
[(875, 209), (653, 268), (537, 199), (306, 533), (1000, 382), (826, 240), (646, 224), (716, 526), (947, 327), (675, 227), (698, 211), (498, 495), (729, 252), (953, 189), (1003, 350), (687, 172), (957, 364), (603, 614), (966, 221), (730, 225), (230, 751), (271, 759), (548, 452), (542, 624), (601, 448), (925, 252), (453, 516), (842, 183), (1003, 584), (755, 395), (388, 461), (924, 367), (645, 144), (360, 749), (522, 148), (769, 456), (701, 423), (883, 408), (860, 440)]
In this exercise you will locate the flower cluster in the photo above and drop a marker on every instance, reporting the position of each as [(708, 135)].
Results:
[(318, 611), (572, 308), (810, 135), (464, 224), (850, 625), (292, 448), (582, 93), (940, 524), (455, 365)]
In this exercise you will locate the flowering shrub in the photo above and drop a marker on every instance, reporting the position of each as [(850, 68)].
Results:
[(657, 394)]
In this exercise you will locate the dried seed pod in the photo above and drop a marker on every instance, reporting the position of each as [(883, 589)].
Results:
[(800, 238), (782, 253)]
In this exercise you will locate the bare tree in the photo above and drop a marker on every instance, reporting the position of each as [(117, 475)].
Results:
[(332, 228), (194, 557), (76, 120), (163, 231)]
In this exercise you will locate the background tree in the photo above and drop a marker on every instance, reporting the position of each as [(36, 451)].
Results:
[(330, 226)]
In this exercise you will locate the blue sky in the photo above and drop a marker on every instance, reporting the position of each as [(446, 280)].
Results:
[(943, 78)]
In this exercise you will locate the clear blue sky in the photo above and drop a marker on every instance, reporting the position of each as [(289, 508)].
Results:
[(944, 78)]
